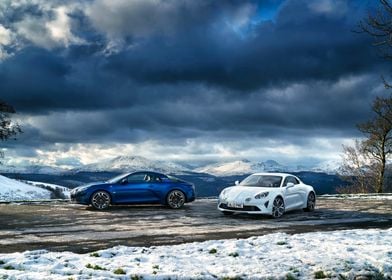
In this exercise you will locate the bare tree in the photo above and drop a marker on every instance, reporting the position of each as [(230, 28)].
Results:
[(8, 128), (357, 169), (364, 164), (378, 143), (379, 26)]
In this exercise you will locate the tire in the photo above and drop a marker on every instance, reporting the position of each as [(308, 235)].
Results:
[(100, 200), (278, 207), (311, 202), (227, 213), (175, 199)]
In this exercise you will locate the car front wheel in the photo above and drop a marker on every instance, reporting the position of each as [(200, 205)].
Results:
[(278, 207), (175, 199), (100, 200), (311, 202)]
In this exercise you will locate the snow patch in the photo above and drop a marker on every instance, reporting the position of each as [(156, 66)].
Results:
[(337, 255), (13, 190)]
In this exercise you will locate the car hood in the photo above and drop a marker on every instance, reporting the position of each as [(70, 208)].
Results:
[(240, 192), (86, 186)]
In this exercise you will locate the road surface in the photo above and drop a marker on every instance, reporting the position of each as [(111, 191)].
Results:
[(71, 227)]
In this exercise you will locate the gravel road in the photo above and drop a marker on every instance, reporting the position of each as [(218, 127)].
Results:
[(62, 226)]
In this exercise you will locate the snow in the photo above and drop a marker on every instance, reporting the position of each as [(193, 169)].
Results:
[(64, 190), (133, 163), (370, 196), (30, 169), (240, 167), (336, 254), (13, 190)]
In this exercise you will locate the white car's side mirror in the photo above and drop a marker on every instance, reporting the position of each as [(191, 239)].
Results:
[(237, 183), (290, 185)]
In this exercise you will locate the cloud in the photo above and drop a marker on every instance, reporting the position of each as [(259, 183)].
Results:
[(227, 77)]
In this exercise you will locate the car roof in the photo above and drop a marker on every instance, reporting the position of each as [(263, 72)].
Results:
[(147, 171), (274, 174)]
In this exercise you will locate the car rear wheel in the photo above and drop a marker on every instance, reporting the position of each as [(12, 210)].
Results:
[(311, 202), (278, 207), (100, 200), (175, 199)]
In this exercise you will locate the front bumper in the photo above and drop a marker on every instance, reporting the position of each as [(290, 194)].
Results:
[(251, 208), (80, 197)]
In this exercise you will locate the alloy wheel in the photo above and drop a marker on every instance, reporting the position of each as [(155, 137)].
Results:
[(311, 204), (176, 199), (100, 200), (278, 207)]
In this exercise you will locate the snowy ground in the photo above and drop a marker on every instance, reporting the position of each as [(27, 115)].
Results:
[(13, 190), (53, 187), (337, 255), (372, 196)]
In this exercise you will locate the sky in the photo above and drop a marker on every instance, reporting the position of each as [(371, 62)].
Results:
[(186, 80)]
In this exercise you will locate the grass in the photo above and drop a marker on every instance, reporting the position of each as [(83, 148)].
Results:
[(120, 271), (9, 267), (95, 267), (95, 254), (2, 262), (235, 254), (231, 278), (281, 243), (290, 276), (294, 270), (213, 251), (320, 275), (136, 277), (155, 266)]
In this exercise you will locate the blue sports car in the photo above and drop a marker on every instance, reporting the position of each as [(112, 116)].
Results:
[(136, 188)]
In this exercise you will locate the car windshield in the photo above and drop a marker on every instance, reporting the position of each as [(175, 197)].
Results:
[(265, 181), (117, 178)]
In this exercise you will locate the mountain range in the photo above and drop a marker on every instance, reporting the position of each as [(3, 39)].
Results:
[(135, 163)]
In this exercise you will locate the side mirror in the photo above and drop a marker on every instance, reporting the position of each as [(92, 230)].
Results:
[(123, 181), (237, 183), (290, 185)]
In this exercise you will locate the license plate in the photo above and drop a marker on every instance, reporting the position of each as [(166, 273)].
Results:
[(235, 205)]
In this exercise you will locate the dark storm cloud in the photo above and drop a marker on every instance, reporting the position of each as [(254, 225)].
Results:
[(178, 70)]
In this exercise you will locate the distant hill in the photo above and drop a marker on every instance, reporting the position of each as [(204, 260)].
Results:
[(240, 167), (135, 163), (132, 163), (207, 185)]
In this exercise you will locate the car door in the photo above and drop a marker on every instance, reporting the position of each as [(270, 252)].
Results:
[(136, 188), (293, 198)]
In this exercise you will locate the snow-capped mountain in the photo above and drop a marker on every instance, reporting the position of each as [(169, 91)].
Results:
[(240, 167), (13, 190), (30, 169), (133, 163)]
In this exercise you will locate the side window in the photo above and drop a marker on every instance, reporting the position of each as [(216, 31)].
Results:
[(290, 179), (136, 178)]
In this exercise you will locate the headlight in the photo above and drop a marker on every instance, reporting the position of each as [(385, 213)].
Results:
[(223, 194), (261, 195)]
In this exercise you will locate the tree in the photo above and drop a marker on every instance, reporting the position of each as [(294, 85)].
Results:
[(378, 143), (8, 128), (366, 162), (356, 169), (379, 26)]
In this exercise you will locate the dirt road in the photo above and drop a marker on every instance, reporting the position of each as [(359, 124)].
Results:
[(70, 227)]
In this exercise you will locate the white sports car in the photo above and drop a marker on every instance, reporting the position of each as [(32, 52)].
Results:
[(267, 193)]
